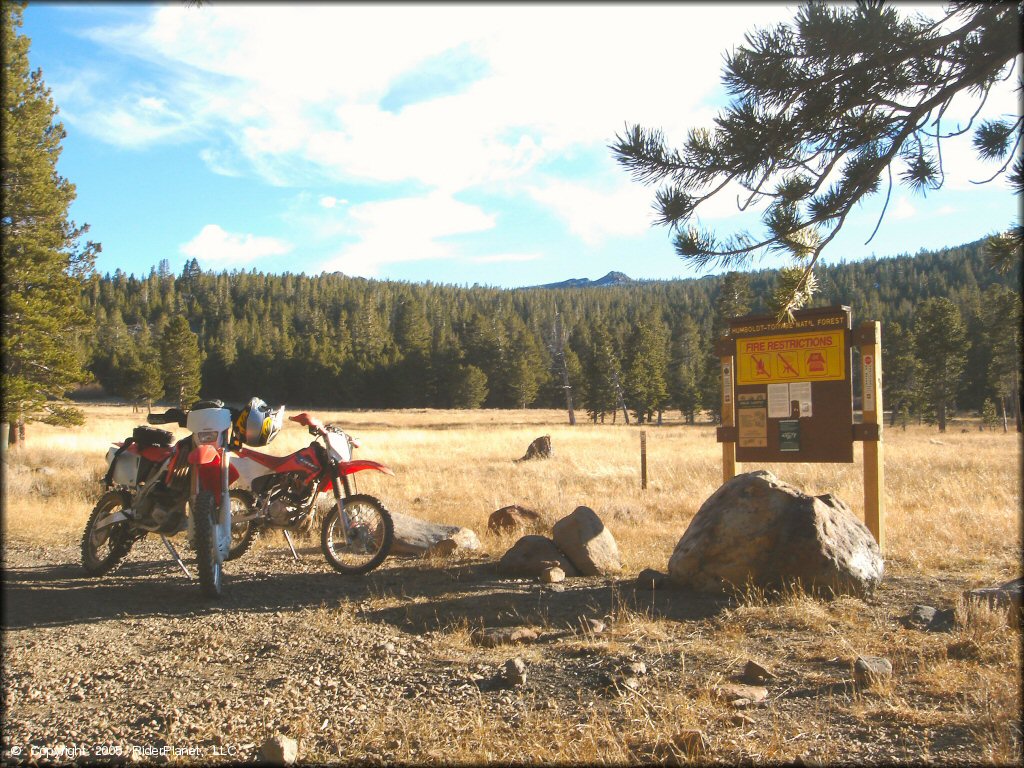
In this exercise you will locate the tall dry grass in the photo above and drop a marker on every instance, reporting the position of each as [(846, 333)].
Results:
[(954, 514), (953, 500)]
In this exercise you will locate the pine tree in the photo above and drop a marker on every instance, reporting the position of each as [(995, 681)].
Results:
[(1002, 318), (734, 299), (823, 110), (601, 371), (43, 269), (179, 356), (900, 370), (646, 375), (940, 339), (686, 369)]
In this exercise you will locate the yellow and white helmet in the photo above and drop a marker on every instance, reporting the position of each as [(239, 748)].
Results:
[(257, 424)]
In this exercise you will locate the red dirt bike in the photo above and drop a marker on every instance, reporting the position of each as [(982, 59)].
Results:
[(356, 534), (157, 486)]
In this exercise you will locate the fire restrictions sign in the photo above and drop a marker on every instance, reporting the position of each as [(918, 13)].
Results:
[(800, 357), (794, 394)]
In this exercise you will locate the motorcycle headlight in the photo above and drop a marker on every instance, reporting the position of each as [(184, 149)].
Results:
[(207, 436)]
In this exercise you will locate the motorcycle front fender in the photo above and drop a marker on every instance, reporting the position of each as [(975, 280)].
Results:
[(351, 467), (204, 454)]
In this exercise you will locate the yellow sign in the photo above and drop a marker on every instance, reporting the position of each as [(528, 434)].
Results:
[(814, 356)]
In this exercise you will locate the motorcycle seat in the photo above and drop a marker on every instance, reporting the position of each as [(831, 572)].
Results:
[(271, 462)]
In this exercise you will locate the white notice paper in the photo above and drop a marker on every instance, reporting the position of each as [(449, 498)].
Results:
[(801, 391), (778, 401)]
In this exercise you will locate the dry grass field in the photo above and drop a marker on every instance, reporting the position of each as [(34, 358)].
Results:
[(954, 523)]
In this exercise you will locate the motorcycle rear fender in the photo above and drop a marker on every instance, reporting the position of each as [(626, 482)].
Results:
[(155, 453), (117, 517)]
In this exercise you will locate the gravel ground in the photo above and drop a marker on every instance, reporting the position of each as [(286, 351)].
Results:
[(136, 665)]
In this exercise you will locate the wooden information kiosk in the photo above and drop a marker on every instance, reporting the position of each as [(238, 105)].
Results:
[(787, 396)]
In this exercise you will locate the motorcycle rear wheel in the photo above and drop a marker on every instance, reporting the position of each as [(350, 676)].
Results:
[(103, 549), (367, 541), (243, 533), (204, 518)]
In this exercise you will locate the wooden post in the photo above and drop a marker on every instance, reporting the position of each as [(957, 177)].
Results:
[(871, 406), (728, 420), (643, 459)]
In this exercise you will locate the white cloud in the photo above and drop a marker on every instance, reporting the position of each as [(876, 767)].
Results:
[(501, 258), (329, 201), (902, 210), (407, 229), (592, 214), (214, 245)]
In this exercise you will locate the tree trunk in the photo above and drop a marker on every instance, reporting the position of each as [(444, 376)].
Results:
[(4, 437), (1016, 399), (1002, 407), (942, 417)]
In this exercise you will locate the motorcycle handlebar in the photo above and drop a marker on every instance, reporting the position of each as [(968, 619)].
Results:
[(170, 416)]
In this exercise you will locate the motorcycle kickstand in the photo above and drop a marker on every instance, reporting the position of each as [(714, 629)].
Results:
[(291, 546), (174, 554)]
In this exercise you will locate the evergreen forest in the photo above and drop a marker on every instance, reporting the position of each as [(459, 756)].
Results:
[(338, 342)]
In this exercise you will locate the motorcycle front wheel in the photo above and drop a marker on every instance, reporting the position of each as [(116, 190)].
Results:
[(204, 518), (358, 540), (103, 549), (243, 533)]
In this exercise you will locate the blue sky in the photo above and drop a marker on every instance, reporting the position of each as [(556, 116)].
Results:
[(453, 143)]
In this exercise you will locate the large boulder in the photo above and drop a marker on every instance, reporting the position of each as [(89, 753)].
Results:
[(532, 556), (587, 543), (757, 530), (415, 537)]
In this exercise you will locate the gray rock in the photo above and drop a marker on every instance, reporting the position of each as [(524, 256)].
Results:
[(929, 619), (512, 518), (415, 537), (651, 579), (740, 696), (587, 543), (515, 672), (552, 575), (279, 750), (756, 674), (757, 530), (1008, 595), (531, 555), (870, 671), (495, 636)]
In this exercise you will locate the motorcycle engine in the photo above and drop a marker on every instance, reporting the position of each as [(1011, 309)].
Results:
[(280, 511)]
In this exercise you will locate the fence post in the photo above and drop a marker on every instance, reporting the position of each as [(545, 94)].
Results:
[(643, 459), (871, 408)]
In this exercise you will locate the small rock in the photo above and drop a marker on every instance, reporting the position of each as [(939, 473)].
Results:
[(552, 575), (929, 619), (651, 579), (740, 696), (755, 674), (279, 750), (869, 671), (592, 626), (515, 672), (493, 637), (636, 669), (512, 518)]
